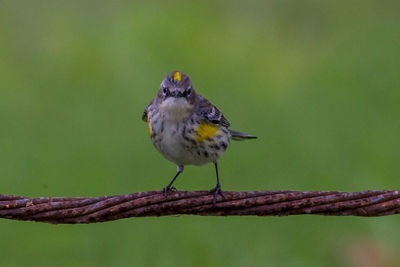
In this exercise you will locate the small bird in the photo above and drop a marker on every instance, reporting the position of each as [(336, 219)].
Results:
[(186, 128)]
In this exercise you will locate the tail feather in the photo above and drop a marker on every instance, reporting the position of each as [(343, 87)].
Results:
[(238, 136)]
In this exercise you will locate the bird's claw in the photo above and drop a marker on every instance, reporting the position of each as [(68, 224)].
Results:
[(168, 189), (217, 191)]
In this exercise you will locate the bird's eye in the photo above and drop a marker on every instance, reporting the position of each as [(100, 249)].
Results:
[(188, 92), (166, 91)]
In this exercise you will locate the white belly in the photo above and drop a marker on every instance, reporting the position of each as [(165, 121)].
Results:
[(176, 149), (173, 133)]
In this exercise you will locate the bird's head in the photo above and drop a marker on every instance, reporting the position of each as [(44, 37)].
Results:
[(176, 92)]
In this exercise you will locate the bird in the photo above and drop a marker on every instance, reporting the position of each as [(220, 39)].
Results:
[(187, 129)]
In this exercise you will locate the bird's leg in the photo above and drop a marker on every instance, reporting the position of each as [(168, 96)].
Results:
[(169, 187), (217, 190)]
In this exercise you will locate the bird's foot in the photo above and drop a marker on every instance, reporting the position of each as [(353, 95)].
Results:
[(217, 191), (168, 189)]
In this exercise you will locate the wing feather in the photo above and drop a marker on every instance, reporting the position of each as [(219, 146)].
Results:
[(211, 113), (146, 111)]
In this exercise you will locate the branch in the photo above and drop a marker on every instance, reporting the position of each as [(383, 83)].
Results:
[(67, 210)]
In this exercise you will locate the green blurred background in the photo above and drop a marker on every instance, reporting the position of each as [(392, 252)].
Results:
[(317, 81)]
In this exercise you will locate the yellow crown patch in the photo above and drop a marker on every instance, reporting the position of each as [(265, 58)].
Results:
[(177, 76)]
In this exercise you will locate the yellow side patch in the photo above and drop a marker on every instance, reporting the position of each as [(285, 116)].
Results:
[(177, 76), (205, 131), (149, 126)]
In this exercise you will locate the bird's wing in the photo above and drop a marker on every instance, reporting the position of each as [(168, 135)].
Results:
[(211, 114), (146, 111)]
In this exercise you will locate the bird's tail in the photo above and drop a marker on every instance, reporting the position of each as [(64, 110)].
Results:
[(238, 136)]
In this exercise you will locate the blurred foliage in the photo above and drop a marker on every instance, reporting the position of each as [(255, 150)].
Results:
[(317, 81)]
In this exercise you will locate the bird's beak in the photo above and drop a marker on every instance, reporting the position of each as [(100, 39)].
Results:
[(177, 94)]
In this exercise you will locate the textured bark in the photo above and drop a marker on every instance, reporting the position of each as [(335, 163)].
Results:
[(67, 210)]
